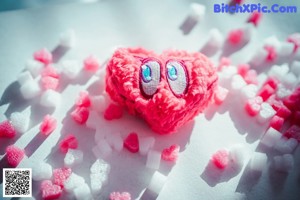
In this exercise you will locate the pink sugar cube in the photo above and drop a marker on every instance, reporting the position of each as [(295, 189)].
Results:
[(119, 196), (60, 175), (43, 56), (171, 153), (255, 18), (220, 159), (50, 191), (272, 54), (276, 122), (290, 102), (49, 70), (113, 111), (243, 69), (80, 115), (251, 77), (48, 125), (7, 130), (91, 64), (283, 112), (295, 39), (83, 100), (296, 118), (69, 142), (14, 155), (253, 105), (235, 36), (220, 95), (131, 142), (293, 132), (224, 62), (49, 82), (273, 82), (265, 92)]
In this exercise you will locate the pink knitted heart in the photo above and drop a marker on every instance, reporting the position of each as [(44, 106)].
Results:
[(167, 90)]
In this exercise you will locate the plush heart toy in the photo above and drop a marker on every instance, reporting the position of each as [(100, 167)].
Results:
[(167, 90)]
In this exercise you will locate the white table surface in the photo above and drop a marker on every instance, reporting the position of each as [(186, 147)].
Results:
[(153, 25)]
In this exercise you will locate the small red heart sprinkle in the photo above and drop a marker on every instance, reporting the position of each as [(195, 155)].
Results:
[(50, 191), (69, 142), (80, 115), (221, 158), (171, 153), (132, 142)]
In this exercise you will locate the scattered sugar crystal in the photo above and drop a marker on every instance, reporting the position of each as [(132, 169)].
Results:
[(30, 89), (153, 159), (73, 157), (50, 98), (20, 121)]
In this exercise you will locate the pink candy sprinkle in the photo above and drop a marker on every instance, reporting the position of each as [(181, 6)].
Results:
[(255, 18), (276, 122), (131, 142), (43, 56), (14, 155), (113, 111), (60, 175), (48, 125), (265, 92), (273, 82), (91, 64), (272, 55), (50, 191), (220, 95), (243, 69), (80, 115), (221, 159), (83, 100), (119, 196), (7, 130), (295, 39), (49, 82), (253, 105), (235, 36), (171, 153), (69, 142)]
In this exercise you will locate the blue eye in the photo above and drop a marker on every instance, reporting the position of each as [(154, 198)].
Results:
[(146, 73), (172, 72)]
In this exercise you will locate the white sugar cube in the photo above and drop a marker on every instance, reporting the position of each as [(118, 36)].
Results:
[(295, 68), (115, 141), (271, 137), (237, 83), (20, 121), (50, 98), (104, 149), (153, 159), (34, 67), (258, 161), (259, 57), (249, 92), (197, 11), (226, 74), (261, 78), (99, 135), (98, 103), (145, 144), (73, 182), (214, 41), (248, 32), (284, 163), (278, 71), (70, 68), (73, 157), (68, 39), (266, 113), (237, 155), (93, 120), (96, 184), (282, 91), (100, 167), (286, 49), (290, 80), (157, 182), (30, 89), (83, 192), (41, 171), (24, 77), (285, 145), (274, 42)]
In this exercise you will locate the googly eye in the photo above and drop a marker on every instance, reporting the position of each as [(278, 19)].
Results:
[(149, 77), (177, 77)]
